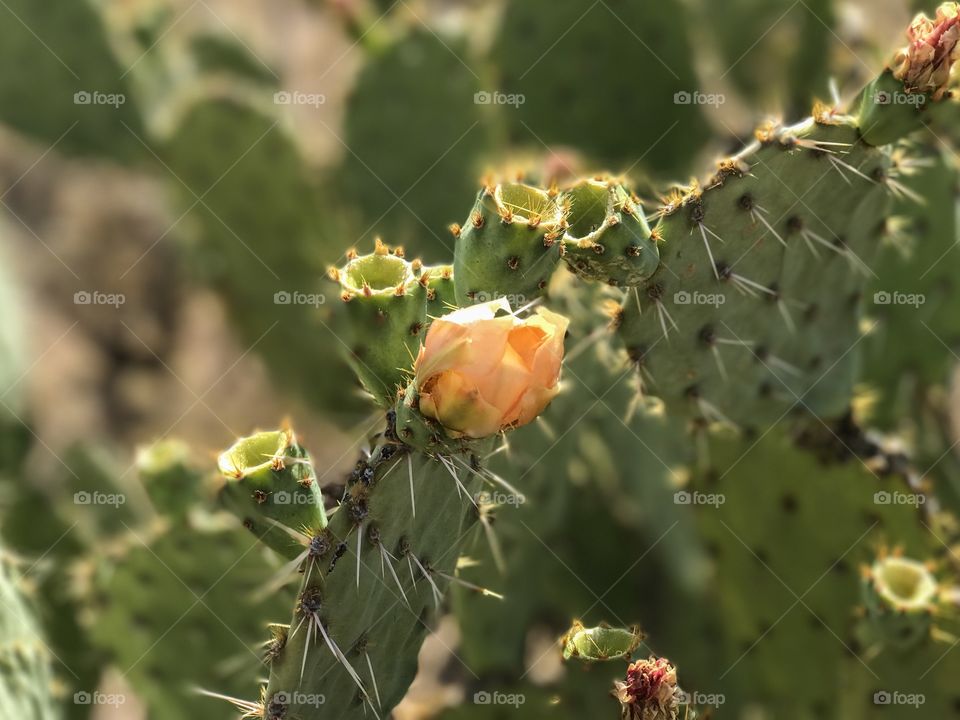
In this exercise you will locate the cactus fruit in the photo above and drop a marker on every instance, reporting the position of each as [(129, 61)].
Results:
[(26, 677), (901, 597), (385, 299), (607, 237), (270, 484), (509, 246), (600, 643)]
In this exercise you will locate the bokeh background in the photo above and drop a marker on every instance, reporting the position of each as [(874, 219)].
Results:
[(176, 175)]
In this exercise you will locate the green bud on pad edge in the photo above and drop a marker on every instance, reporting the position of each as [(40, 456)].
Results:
[(270, 484)]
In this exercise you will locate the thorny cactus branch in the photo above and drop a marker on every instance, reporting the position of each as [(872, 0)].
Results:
[(741, 301)]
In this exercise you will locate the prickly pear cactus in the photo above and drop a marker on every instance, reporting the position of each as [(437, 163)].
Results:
[(71, 91), (265, 258), (26, 677), (168, 598), (755, 306), (405, 187), (510, 243), (788, 535), (913, 297), (559, 62), (394, 542)]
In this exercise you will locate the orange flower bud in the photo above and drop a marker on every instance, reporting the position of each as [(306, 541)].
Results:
[(478, 372)]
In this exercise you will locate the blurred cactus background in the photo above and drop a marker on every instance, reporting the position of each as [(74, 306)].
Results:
[(177, 178)]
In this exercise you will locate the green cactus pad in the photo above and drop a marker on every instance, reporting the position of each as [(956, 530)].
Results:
[(68, 89), (407, 517), (775, 52), (441, 292), (787, 535), (601, 78), (756, 305), (914, 297), (385, 301), (265, 258), (167, 472), (608, 238), (405, 185), (224, 53), (509, 246), (270, 481), (26, 677), (182, 608)]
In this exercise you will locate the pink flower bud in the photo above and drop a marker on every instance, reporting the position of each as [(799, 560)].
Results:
[(925, 64), (478, 372)]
